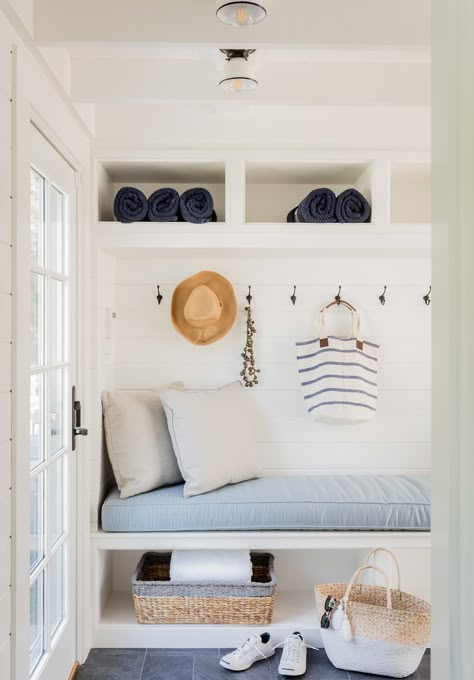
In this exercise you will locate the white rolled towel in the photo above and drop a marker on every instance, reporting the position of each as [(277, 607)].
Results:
[(211, 566)]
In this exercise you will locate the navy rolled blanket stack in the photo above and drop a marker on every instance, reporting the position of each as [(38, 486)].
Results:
[(352, 207), (318, 206), (130, 205), (163, 205), (197, 206)]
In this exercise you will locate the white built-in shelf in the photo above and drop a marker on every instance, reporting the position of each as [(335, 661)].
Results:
[(118, 627), (273, 188), (151, 175), (362, 238), (260, 540)]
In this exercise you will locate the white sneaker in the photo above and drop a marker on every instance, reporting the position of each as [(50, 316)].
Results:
[(293, 658), (255, 648)]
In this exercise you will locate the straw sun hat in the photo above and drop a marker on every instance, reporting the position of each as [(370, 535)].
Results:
[(204, 308)]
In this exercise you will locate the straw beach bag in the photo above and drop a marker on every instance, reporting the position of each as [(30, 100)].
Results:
[(374, 629)]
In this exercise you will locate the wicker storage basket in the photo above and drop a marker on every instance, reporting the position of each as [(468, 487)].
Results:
[(157, 600)]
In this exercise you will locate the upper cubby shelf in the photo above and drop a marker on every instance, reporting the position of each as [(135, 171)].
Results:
[(150, 175), (253, 196), (272, 189)]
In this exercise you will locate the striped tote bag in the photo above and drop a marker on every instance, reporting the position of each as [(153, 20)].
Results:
[(339, 375)]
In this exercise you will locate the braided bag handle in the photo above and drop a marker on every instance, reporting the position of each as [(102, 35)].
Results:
[(355, 578), (392, 555)]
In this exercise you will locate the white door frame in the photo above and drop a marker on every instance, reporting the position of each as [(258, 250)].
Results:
[(453, 339), (23, 117)]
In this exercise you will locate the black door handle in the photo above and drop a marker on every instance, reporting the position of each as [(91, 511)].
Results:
[(77, 430)]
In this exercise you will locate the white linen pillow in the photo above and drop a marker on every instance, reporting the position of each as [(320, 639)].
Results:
[(138, 441), (213, 436)]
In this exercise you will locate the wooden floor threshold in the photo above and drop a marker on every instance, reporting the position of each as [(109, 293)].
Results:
[(74, 670)]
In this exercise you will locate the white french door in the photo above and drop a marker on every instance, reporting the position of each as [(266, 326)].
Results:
[(52, 473)]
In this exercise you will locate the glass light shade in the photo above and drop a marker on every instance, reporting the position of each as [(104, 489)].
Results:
[(238, 84), (238, 76), (241, 14)]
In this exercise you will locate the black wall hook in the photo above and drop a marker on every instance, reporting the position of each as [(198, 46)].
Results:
[(426, 298), (338, 296), (293, 297), (249, 296), (382, 297), (159, 297)]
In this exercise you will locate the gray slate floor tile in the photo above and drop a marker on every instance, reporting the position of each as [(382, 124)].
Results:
[(206, 667), (169, 666), (214, 651), (112, 664), (424, 671), (203, 664), (318, 667)]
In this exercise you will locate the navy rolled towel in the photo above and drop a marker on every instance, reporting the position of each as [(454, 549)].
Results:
[(163, 206), (351, 206), (318, 206), (130, 205), (197, 206), (291, 217)]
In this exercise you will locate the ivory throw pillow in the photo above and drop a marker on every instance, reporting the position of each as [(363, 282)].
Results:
[(213, 436), (138, 441)]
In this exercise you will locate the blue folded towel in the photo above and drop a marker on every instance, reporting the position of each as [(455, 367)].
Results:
[(351, 206), (197, 206), (163, 206), (130, 205), (318, 206)]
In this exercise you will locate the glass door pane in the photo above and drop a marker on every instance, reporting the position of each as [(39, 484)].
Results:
[(52, 631), (36, 622)]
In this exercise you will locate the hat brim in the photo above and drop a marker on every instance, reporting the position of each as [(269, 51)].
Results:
[(217, 329)]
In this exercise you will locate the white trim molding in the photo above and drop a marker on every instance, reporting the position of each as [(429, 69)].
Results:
[(453, 330)]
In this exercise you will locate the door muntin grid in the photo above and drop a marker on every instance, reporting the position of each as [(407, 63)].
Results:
[(49, 415)]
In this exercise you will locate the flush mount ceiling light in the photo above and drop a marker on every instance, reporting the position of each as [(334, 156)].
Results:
[(239, 75), (241, 14)]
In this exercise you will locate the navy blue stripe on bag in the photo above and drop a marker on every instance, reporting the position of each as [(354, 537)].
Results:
[(343, 403), (340, 389), (336, 363), (337, 377)]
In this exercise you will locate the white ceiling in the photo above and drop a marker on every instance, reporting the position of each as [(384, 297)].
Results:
[(112, 55)]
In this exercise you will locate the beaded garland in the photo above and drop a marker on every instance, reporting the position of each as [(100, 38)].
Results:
[(249, 373)]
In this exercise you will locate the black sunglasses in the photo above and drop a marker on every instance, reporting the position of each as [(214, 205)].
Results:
[(329, 607)]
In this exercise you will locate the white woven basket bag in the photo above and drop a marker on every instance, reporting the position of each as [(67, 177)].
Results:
[(374, 629), (338, 375)]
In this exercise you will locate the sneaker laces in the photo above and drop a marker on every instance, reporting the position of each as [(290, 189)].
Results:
[(293, 645), (245, 645)]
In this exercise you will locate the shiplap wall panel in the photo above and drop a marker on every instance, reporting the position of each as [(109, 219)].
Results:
[(5, 268), (5, 341), (5, 317), (134, 375), (102, 373), (5, 658), (145, 351)]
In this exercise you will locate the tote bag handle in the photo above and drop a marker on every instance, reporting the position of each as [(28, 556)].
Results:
[(389, 552), (353, 333), (356, 576)]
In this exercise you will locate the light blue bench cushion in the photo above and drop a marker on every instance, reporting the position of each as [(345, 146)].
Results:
[(311, 503)]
